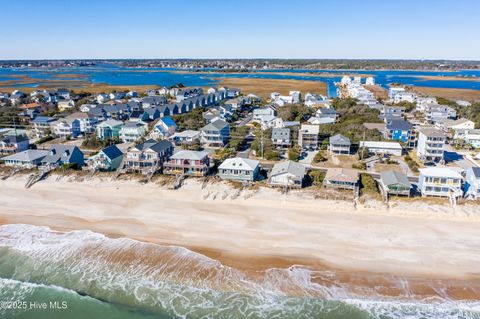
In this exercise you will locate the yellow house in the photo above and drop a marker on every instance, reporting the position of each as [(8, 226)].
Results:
[(65, 104)]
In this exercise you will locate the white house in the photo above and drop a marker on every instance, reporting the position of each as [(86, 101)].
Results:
[(472, 137), (390, 148), (102, 98), (132, 131), (370, 80), (404, 97), (472, 183), (440, 181), (431, 144)]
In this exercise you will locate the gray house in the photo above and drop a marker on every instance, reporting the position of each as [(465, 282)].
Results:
[(63, 154), (215, 134), (339, 144), (240, 169), (25, 159), (395, 183), (287, 174), (281, 137)]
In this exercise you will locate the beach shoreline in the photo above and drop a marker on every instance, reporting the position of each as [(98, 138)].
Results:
[(262, 229)]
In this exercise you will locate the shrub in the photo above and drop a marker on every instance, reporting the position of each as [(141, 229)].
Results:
[(321, 156), (294, 154), (368, 184), (316, 177), (272, 155)]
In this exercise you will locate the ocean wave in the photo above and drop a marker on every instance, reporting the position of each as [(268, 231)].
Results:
[(175, 281)]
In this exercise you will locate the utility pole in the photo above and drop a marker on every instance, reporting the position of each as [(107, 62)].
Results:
[(261, 144)]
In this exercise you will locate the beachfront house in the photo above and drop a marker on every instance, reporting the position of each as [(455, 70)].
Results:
[(389, 148), (239, 169), (13, 143), (287, 174), (342, 178), (281, 137), (215, 134), (192, 163), (25, 159), (308, 136), (132, 131), (109, 129), (394, 183), (164, 128), (108, 159), (472, 183), (431, 144), (42, 125), (60, 154), (148, 157), (339, 144), (440, 181)]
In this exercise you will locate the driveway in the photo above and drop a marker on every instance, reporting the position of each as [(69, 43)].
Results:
[(308, 159)]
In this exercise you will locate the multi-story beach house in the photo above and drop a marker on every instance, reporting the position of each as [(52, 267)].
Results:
[(164, 128), (87, 122), (109, 159), (132, 131), (185, 137), (148, 157), (66, 128), (394, 183), (400, 130), (60, 154), (339, 144), (215, 134), (192, 163), (308, 136), (281, 137), (239, 169), (42, 125), (440, 181), (109, 129), (437, 113), (431, 144), (13, 143), (287, 174), (472, 183), (25, 159)]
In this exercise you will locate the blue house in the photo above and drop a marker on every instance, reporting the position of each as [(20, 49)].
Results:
[(398, 130), (108, 159)]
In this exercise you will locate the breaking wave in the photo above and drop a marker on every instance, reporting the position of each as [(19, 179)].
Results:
[(125, 278)]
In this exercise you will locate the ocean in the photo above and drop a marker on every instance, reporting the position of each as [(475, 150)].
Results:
[(82, 274), (115, 75)]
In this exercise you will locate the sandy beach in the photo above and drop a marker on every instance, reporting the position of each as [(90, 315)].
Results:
[(263, 229)]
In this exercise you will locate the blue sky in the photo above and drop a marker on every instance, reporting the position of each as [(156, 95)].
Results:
[(412, 29)]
